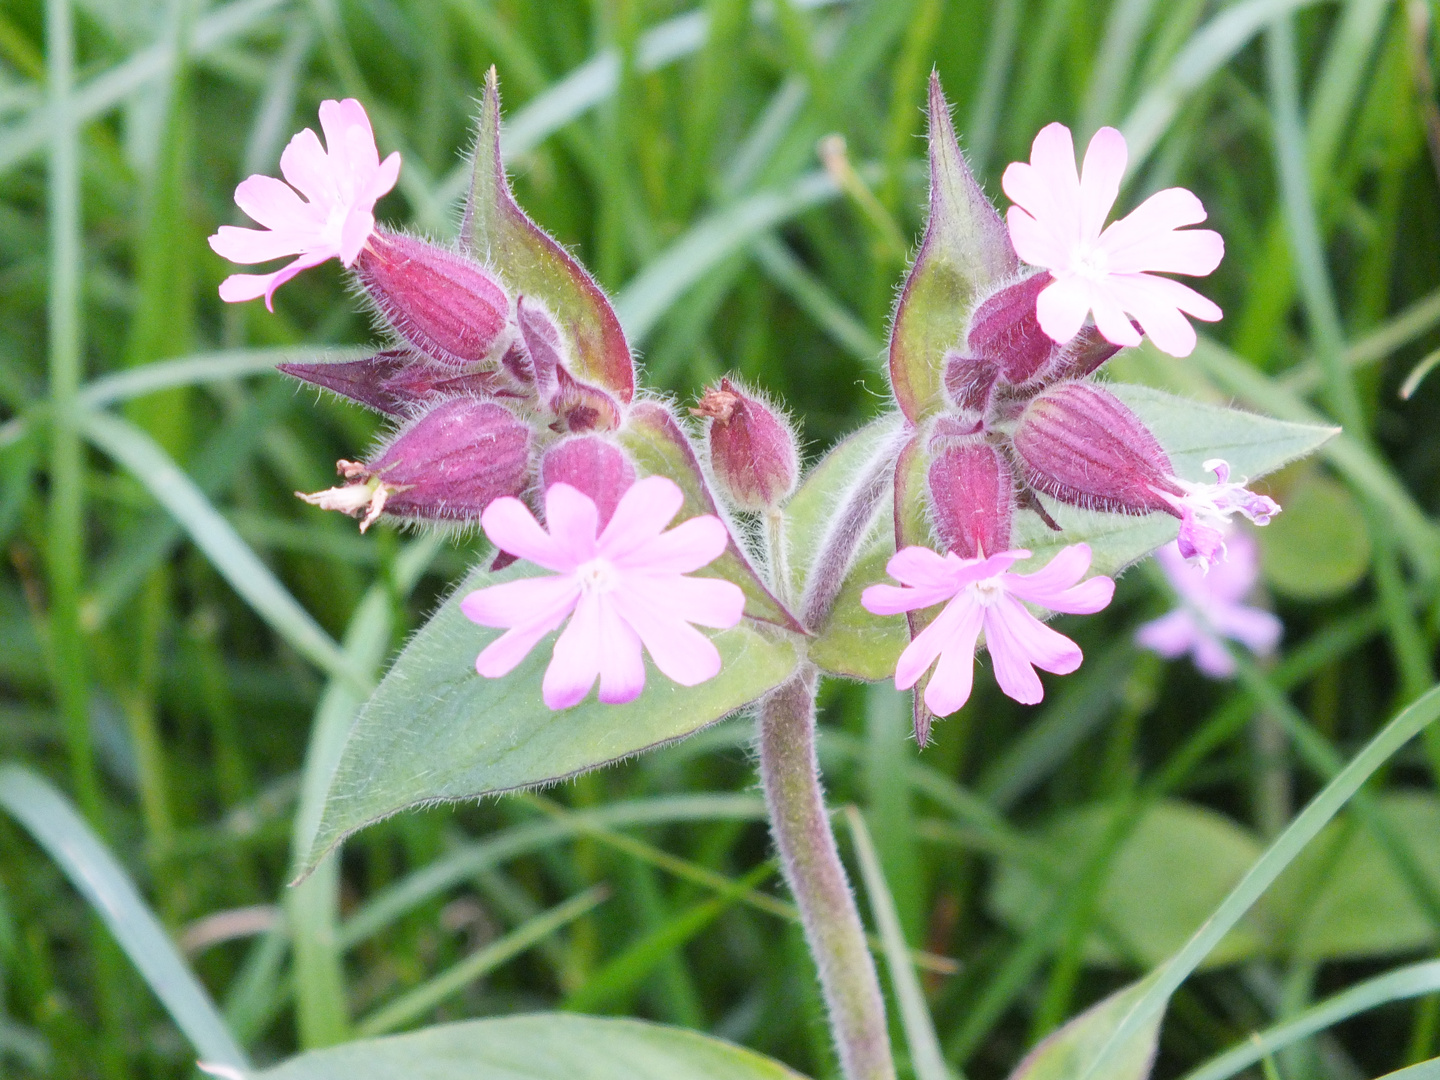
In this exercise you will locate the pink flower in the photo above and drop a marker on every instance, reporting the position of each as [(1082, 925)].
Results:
[(1056, 223), (625, 587), (981, 594), (333, 220), (1205, 511), (1211, 609)]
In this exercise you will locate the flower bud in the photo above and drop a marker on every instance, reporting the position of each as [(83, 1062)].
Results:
[(1081, 445), (446, 305), (395, 381), (1005, 330), (970, 380), (447, 466), (591, 465), (752, 449), (972, 497)]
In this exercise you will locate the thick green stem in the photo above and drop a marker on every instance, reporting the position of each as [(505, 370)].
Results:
[(791, 778)]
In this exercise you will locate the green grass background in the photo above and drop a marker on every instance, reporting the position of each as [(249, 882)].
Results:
[(165, 646)]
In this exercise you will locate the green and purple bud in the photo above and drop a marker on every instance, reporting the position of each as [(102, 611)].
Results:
[(753, 453)]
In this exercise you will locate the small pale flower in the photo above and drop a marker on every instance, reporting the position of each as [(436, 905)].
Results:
[(1212, 609), (340, 182), (1057, 222), (622, 588), (1205, 511), (981, 594)]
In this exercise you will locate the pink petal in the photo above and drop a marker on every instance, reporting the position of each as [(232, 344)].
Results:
[(1157, 303), (681, 652), (1105, 160), (704, 600), (502, 655), (916, 565), (307, 168), (1110, 317), (622, 665), (240, 287), (573, 520), (1170, 635), (1016, 640), (685, 548), (276, 206), (519, 603), (350, 139), (949, 687), (1156, 216), (359, 227), (384, 179), (575, 662), (512, 528), (1212, 657), (1033, 242), (1062, 306), (894, 600), (640, 515), (950, 625), (1258, 630), (1049, 188), (1193, 251), (1054, 587), (252, 245)]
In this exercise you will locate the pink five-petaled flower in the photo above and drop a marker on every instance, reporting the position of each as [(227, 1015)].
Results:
[(333, 220), (1211, 610), (625, 587), (1056, 223), (1205, 511), (981, 594)]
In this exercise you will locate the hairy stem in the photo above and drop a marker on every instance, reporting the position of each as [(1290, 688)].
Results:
[(791, 778)]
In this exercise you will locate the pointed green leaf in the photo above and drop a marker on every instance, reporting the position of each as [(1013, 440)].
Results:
[(498, 233), (435, 730), (857, 644), (1069, 1052), (544, 1046), (659, 447), (965, 253)]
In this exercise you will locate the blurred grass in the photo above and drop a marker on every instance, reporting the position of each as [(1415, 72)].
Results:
[(675, 149)]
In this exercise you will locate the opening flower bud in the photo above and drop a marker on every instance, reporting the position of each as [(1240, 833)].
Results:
[(395, 381), (592, 466), (447, 306), (752, 448), (972, 497), (1081, 445), (448, 466)]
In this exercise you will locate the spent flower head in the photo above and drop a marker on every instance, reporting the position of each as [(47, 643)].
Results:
[(622, 588), (1058, 223), (1205, 511), (982, 594), (340, 184)]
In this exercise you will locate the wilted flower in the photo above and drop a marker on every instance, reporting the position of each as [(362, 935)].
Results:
[(981, 594), (1205, 511), (340, 182), (1056, 223), (1211, 609), (622, 588)]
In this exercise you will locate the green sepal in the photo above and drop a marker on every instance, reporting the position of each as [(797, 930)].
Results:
[(965, 254), (531, 263)]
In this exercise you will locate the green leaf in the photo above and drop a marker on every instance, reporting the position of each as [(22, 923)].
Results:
[(857, 644), (1319, 547), (435, 730), (545, 1046), (1426, 1070), (965, 252), (498, 233), (1070, 1052), (1167, 875), (659, 447), (1344, 899)]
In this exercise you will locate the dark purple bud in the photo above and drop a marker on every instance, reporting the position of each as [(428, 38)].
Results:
[(446, 305), (396, 382), (970, 381), (1005, 330), (752, 449), (972, 495), (447, 466), (591, 465), (542, 344), (1081, 445)]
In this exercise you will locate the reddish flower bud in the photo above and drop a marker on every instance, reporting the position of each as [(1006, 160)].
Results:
[(593, 466), (446, 305), (542, 344), (970, 380), (1005, 330), (394, 382), (1081, 445), (447, 466), (972, 495), (1083, 355), (752, 449)]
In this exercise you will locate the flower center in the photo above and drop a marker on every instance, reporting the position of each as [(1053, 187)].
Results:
[(597, 576), (988, 591), (1089, 261)]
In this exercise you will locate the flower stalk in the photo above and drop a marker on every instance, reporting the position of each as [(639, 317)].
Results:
[(789, 773)]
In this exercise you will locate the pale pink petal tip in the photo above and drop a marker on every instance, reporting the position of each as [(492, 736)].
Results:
[(625, 592), (323, 210), (1057, 223), (984, 595)]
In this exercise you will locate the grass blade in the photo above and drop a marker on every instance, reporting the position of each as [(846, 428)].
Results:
[(55, 825), (925, 1056)]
